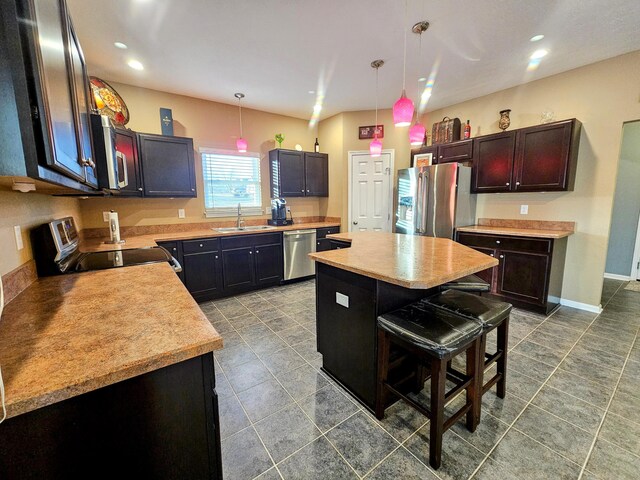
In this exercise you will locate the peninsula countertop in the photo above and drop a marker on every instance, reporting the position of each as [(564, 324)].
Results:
[(97, 244), (70, 334), (410, 261), (522, 228)]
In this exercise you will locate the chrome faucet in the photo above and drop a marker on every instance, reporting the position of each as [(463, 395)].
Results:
[(239, 222)]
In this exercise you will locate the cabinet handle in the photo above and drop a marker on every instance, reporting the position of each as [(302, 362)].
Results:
[(257, 251), (193, 189), (174, 249), (200, 245), (140, 189), (250, 252), (507, 184), (517, 183), (307, 191), (440, 156), (216, 257), (497, 241), (88, 163), (492, 254), (501, 256)]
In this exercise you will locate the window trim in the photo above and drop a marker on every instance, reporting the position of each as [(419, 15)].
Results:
[(218, 212)]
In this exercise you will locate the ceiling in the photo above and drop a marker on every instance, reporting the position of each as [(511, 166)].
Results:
[(277, 51)]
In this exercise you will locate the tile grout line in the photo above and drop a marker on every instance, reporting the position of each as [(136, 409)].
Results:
[(533, 396), (615, 389)]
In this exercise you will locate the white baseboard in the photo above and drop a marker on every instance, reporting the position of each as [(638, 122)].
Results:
[(579, 305), (615, 276)]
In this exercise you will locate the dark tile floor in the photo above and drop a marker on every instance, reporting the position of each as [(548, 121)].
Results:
[(282, 418)]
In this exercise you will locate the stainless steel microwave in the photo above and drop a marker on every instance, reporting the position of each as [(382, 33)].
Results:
[(111, 165)]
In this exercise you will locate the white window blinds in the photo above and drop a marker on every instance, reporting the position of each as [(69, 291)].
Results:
[(230, 180)]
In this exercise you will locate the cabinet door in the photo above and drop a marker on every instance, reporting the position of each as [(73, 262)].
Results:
[(268, 259), (54, 101), (493, 162), (542, 157), (82, 108), (168, 168), (238, 267), (202, 272), (523, 276), (126, 144), (323, 244), (316, 174), (291, 173), (455, 152)]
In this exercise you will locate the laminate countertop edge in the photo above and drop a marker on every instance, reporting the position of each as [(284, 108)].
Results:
[(516, 232)]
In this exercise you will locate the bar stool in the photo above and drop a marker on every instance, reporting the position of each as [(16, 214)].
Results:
[(432, 336), (491, 314), (470, 283)]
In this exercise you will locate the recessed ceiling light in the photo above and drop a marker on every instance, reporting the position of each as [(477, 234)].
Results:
[(539, 54), (312, 91), (422, 79), (536, 38), (135, 64), (317, 108), (120, 45)]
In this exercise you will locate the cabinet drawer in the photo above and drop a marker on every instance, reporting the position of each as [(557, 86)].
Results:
[(198, 246), (519, 244), (323, 232), (455, 152), (242, 241)]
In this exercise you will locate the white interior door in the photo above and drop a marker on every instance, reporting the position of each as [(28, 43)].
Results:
[(370, 191)]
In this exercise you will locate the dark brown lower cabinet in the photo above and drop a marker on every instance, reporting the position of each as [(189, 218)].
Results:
[(163, 424), (238, 268), (202, 274), (530, 271)]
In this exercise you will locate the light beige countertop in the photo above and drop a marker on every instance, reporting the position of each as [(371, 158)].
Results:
[(410, 261), (151, 239), (70, 334), (517, 232)]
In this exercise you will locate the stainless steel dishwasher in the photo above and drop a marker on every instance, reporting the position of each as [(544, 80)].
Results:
[(298, 244)]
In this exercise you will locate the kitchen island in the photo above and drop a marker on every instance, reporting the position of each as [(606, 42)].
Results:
[(379, 273), (109, 374)]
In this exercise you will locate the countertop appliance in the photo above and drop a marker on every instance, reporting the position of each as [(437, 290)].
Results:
[(55, 248), (434, 200), (297, 245), (279, 213), (111, 165)]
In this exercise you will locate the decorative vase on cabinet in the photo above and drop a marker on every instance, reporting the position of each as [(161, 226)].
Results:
[(504, 121)]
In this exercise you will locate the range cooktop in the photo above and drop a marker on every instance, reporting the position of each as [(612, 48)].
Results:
[(121, 258)]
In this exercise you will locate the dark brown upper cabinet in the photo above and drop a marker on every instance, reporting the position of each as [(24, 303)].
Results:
[(546, 157), (45, 96), (461, 151), (298, 174), (493, 162), (168, 166), (542, 158)]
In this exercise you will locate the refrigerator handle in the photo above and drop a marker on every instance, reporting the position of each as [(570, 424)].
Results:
[(424, 197), (417, 217)]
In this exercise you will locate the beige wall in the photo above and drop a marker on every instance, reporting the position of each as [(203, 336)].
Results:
[(210, 124), (27, 210), (602, 96)]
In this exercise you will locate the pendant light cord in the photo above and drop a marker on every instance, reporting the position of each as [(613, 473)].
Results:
[(375, 129), (240, 110), (404, 65)]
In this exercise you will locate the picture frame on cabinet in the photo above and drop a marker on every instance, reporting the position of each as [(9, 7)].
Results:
[(422, 160)]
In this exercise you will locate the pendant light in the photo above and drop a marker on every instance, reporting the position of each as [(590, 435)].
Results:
[(417, 130), (241, 143), (375, 147), (403, 108)]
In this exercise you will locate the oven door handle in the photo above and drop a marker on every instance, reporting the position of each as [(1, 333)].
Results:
[(175, 265)]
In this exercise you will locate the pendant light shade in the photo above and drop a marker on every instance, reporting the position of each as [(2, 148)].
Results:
[(416, 134), (403, 111), (241, 143), (375, 147)]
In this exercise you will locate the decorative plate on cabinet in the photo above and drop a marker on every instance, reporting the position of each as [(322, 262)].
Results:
[(108, 101)]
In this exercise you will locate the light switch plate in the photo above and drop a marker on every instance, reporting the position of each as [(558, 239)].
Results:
[(342, 299), (181, 213), (524, 209), (105, 216), (18, 233)]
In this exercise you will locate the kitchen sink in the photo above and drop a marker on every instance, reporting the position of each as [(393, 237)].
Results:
[(251, 228)]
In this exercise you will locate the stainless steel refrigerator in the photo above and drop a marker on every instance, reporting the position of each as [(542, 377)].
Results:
[(434, 200)]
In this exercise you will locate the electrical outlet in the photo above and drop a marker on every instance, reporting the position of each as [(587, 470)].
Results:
[(105, 216), (18, 233), (181, 213), (524, 209)]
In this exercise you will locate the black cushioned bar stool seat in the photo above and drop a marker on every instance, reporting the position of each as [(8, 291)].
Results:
[(470, 283), (490, 314), (431, 337)]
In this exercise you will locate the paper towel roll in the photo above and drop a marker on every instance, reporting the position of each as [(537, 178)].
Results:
[(114, 227)]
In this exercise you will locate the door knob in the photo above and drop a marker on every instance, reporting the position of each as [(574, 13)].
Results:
[(355, 223)]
